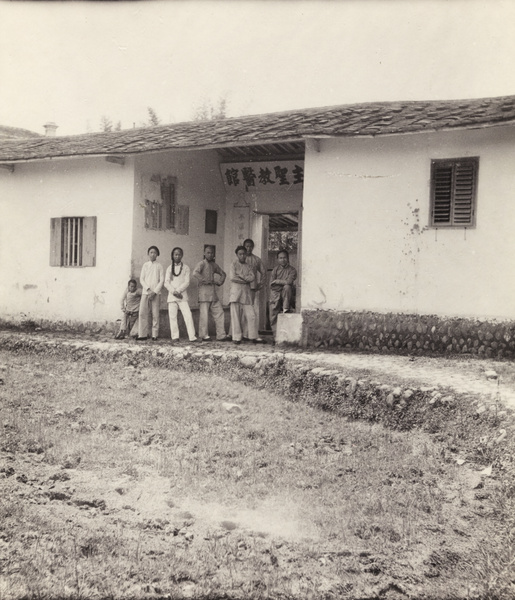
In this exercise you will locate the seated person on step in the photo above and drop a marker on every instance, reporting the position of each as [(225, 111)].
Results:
[(282, 289)]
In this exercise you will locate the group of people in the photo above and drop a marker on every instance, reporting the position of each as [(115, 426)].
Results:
[(247, 277)]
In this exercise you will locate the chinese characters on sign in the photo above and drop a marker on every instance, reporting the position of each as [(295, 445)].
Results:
[(259, 176)]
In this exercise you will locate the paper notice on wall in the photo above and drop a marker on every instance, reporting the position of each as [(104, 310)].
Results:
[(241, 221), (151, 189)]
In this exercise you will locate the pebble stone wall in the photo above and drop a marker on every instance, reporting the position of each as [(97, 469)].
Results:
[(408, 334), (108, 327)]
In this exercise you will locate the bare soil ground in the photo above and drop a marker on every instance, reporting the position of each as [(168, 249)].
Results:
[(123, 481)]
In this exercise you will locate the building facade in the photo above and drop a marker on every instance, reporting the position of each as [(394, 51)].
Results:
[(402, 212)]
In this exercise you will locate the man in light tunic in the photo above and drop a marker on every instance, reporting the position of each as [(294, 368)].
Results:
[(256, 264), (241, 276), (152, 279)]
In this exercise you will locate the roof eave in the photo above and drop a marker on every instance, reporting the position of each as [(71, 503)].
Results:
[(268, 141), (187, 148)]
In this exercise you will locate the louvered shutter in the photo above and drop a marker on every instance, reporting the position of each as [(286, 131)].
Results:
[(442, 194), (464, 193), (453, 192), (169, 206)]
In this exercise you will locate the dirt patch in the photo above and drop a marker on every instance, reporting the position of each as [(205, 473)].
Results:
[(122, 479)]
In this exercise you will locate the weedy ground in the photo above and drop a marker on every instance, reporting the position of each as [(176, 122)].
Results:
[(124, 481)]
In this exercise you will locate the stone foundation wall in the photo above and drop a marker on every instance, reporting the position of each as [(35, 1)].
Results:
[(70, 326), (408, 334), (107, 327)]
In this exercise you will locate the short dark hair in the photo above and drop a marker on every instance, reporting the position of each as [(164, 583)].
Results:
[(240, 248), (154, 248), (176, 248), (132, 281), (249, 240), (209, 246), (284, 252)]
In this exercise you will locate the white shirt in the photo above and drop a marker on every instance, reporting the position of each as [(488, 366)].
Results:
[(178, 283), (152, 277)]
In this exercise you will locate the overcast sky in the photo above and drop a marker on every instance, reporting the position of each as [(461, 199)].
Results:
[(72, 62)]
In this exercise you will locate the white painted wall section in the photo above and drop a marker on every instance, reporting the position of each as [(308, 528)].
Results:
[(39, 191), (366, 240)]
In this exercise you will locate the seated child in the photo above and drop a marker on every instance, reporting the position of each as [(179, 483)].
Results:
[(208, 300), (241, 276), (130, 307), (281, 287), (177, 281)]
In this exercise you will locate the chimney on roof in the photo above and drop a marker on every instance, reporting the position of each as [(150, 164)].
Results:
[(50, 129)]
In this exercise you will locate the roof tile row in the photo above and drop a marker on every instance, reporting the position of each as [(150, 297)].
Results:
[(369, 119)]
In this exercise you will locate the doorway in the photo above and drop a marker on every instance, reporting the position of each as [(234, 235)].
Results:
[(280, 231)]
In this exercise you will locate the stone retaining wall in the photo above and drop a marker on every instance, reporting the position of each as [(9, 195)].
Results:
[(397, 406), (408, 334), (390, 333), (108, 327)]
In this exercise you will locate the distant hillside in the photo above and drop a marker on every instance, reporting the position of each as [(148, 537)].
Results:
[(16, 132)]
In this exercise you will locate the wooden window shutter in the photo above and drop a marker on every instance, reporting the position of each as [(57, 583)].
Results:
[(173, 202), (183, 219), (89, 241), (464, 192), (453, 192), (165, 207), (442, 193), (168, 189), (55, 243)]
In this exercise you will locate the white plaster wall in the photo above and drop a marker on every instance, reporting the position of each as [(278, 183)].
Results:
[(32, 195), (366, 241), (200, 186)]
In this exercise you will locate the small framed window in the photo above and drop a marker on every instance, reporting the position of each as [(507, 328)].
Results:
[(211, 221), (73, 242), (453, 192)]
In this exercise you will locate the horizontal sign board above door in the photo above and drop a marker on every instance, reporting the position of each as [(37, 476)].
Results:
[(277, 175)]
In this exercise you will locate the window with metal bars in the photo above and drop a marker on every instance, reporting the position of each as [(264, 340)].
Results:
[(73, 241), (453, 192)]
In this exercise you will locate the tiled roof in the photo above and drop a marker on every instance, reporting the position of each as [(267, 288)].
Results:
[(351, 120)]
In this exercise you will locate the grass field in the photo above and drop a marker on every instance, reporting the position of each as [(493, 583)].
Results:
[(136, 482)]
